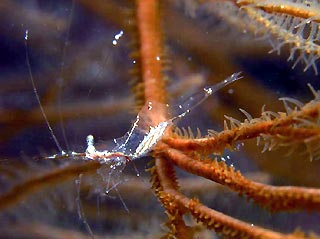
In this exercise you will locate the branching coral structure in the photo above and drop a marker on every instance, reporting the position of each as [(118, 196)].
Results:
[(241, 162)]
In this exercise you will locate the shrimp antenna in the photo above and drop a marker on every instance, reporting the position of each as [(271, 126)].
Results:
[(81, 214), (198, 98), (26, 37)]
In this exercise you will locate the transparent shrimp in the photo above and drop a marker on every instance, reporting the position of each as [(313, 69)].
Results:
[(139, 141), (141, 138)]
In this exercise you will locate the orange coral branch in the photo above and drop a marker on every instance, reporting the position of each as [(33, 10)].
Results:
[(38, 230), (163, 178), (223, 224), (287, 7), (282, 126), (154, 91), (151, 50), (275, 198), (55, 176)]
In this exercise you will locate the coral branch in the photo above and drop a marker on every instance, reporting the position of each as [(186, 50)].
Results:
[(223, 224), (38, 182), (151, 50), (154, 91), (272, 197), (285, 126), (163, 178), (38, 230), (297, 9)]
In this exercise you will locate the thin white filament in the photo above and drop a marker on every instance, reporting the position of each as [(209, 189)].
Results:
[(80, 209), (37, 95)]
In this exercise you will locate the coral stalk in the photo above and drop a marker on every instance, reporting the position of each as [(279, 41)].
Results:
[(276, 198)]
